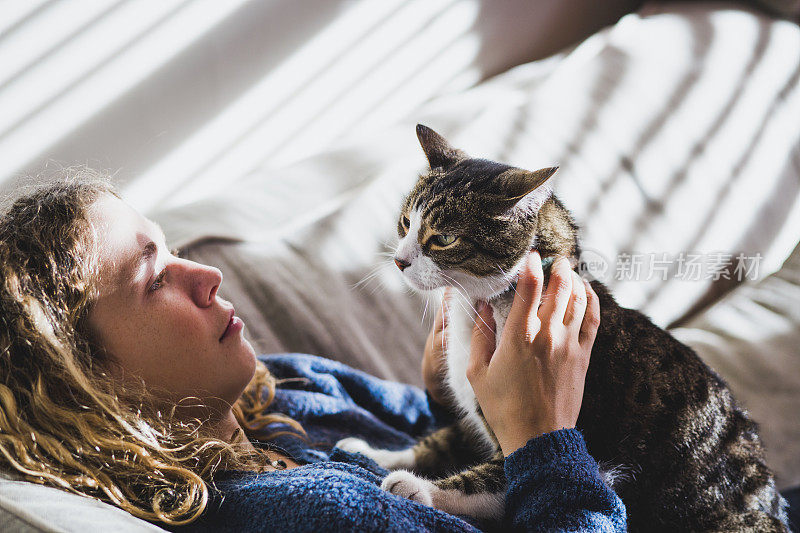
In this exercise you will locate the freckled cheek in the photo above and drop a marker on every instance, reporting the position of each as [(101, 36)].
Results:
[(188, 322), (172, 330)]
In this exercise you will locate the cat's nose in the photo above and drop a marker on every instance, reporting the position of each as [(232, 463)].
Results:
[(401, 264)]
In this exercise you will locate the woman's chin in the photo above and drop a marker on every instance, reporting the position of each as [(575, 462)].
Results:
[(246, 356)]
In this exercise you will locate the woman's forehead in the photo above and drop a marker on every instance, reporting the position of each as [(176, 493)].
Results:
[(123, 237)]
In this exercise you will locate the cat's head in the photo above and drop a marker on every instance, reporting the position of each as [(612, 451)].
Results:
[(468, 223)]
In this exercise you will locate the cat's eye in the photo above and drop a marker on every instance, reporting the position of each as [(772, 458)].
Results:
[(443, 240)]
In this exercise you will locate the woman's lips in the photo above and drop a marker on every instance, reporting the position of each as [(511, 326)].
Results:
[(234, 326)]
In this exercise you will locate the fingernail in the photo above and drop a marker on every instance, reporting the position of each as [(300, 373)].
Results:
[(483, 306)]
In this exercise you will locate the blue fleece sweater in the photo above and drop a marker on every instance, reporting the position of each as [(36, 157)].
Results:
[(554, 484)]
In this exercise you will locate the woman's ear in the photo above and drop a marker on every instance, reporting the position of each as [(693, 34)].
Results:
[(438, 151)]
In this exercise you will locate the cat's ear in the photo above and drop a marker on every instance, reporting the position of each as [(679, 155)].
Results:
[(438, 151), (528, 189)]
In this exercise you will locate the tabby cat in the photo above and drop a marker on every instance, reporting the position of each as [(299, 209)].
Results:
[(651, 408)]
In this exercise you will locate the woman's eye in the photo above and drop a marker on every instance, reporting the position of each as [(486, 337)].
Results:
[(159, 281), (444, 240)]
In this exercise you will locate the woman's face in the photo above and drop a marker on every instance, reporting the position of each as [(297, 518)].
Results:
[(159, 318)]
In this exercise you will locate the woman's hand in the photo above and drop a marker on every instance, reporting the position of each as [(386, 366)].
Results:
[(532, 383), (433, 358)]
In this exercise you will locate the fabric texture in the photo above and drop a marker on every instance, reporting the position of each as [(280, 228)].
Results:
[(555, 484)]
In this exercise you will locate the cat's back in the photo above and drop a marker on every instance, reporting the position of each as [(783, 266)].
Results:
[(652, 406)]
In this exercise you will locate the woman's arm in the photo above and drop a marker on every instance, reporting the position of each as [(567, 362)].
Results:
[(550, 478), (532, 382), (555, 485), (530, 388)]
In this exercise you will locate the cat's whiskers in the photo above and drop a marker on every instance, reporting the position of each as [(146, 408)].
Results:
[(445, 313), (458, 337), (372, 274), (449, 278), (510, 281), (376, 288), (425, 309), (390, 243), (463, 308)]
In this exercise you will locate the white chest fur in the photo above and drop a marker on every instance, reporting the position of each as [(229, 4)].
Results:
[(461, 320)]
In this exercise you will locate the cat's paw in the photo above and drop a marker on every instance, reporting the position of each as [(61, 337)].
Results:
[(355, 445), (409, 486), (388, 459)]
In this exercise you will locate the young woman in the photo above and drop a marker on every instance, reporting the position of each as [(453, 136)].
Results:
[(124, 377)]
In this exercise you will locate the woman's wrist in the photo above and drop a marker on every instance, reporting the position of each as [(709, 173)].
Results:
[(509, 446), (509, 443), (545, 448)]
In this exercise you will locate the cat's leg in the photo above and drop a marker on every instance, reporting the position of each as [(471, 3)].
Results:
[(388, 459), (448, 450), (442, 452), (478, 491)]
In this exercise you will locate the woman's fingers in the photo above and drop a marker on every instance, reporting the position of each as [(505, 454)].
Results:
[(591, 320), (577, 303), (559, 289), (483, 341), (523, 321)]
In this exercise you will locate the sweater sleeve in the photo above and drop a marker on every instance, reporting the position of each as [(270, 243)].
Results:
[(366, 406), (555, 485)]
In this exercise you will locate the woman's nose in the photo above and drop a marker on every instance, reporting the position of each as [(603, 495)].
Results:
[(205, 280)]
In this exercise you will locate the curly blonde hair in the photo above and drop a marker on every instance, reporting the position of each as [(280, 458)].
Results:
[(63, 421)]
